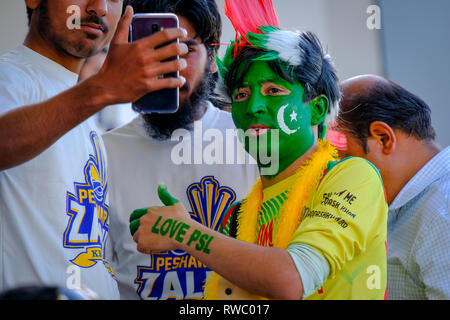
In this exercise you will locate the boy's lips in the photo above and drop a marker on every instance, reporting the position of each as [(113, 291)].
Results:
[(257, 129)]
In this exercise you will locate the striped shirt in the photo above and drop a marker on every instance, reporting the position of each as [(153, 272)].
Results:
[(419, 234)]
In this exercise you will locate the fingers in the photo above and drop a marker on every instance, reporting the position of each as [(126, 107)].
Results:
[(123, 27), (171, 50), (145, 250), (165, 196), (161, 37), (134, 225), (133, 69), (135, 219), (151, 53), (138, 213), (160, 68), (153, 69), (164, 83), (142, 248)]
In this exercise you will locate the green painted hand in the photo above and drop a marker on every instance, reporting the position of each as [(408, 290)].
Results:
[(135, 218), (166, 198)]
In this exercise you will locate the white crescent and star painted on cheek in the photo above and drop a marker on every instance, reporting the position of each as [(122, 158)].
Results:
[(293, 116), (282, 124)]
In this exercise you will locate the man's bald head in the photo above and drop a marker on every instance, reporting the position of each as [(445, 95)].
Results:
[(362, 84), (370, 98)]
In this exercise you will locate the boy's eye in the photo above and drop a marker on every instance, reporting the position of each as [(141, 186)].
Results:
[(240, 95), (274, 90)]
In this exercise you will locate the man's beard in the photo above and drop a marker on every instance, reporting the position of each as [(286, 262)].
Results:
[(161, 126), (73, 48)]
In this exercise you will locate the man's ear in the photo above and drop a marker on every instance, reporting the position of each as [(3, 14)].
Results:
[(319, 108), (32, 4), (213, 68), (384, 136)]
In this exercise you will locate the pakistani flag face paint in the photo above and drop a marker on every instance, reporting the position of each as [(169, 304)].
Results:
[(267, 106)]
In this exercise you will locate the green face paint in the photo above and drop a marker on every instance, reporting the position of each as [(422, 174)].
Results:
[(266, 102)]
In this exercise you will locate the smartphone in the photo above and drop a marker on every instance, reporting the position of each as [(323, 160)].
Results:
[(144, 25)]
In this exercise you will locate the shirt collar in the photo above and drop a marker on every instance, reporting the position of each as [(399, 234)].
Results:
[(52, 68), (438, 166)]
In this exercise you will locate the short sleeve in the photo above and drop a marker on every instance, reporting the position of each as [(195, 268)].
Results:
[(16, 88), (347, 213)]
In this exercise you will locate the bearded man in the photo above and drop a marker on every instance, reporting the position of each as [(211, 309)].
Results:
[(143, 153)]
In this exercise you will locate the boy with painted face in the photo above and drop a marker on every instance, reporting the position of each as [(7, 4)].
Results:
[(310, 228), (264, 98)]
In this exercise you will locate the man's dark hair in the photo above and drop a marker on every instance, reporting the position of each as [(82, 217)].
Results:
[(29, 14), (202, 14), (388, 102)]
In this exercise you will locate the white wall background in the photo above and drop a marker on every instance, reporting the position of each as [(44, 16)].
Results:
[(340, 25), (411, 47), (13, 24), (416, 46)]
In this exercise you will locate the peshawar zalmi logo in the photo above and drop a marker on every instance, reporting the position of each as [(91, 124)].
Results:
[(176, 274), (209, 201), (88, 213)]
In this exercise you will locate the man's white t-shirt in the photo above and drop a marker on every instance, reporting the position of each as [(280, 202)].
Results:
[(54, 209), (202, 168)]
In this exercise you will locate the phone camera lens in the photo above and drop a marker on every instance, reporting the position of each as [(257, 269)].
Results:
[(155, 28)]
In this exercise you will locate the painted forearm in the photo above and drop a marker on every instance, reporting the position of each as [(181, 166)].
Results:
[(183, 234), (264, 271)]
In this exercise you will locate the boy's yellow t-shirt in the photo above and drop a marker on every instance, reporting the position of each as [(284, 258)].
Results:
[(345, 220)]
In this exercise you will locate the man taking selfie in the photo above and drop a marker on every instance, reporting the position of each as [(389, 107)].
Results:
[(54, 201)]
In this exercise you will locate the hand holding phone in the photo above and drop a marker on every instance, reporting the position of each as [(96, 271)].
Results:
[(165, 100), (132, 70)]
